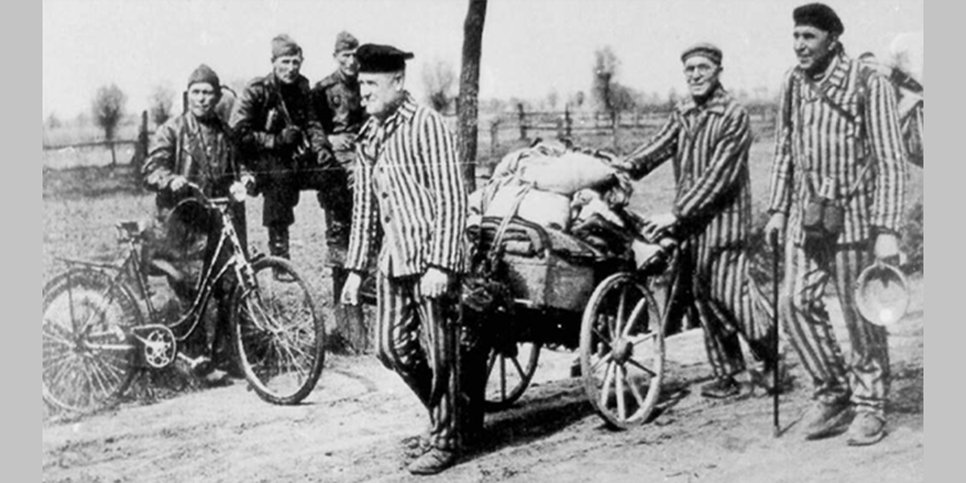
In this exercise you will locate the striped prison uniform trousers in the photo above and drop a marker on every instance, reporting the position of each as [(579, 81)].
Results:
[(412, 338), (728, 303), (806, 321)]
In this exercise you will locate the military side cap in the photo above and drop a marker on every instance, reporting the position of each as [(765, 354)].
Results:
[(345, 41), (381, 58), (704, 49), (284, 45), (820, 16), (204, 74)]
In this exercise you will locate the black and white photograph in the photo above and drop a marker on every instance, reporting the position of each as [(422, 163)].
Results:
[(482, 240)]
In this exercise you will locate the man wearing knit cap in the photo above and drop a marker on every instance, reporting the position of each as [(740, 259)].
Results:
[(409, 189), (279, 138), (849, 110), (337, 105), (195, 148), (708, 138)]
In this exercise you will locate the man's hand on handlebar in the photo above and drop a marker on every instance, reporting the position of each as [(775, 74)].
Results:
[(177, 183)]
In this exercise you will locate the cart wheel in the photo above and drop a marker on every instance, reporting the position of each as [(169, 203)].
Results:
[(622, 350), (509, 369)]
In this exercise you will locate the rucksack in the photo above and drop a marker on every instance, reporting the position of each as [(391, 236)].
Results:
[(909, 103)]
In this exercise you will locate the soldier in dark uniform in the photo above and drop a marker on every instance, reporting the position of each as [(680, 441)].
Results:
[(280, 139), (337, 105)]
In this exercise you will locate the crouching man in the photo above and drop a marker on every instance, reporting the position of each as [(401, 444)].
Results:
[(195, 148)]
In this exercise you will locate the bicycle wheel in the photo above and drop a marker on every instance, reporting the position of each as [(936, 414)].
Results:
[(278, 333), (88, 357), (622, 350)]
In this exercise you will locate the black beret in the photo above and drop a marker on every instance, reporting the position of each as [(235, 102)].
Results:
[(820, 16), (381, 58), (704, 49)]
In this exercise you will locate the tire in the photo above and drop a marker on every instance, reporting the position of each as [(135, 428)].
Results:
[(622, 350), (506, 377), (88, 357), (278, 332)]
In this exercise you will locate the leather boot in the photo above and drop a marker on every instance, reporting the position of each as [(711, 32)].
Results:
[(278, 241), (278, 247)]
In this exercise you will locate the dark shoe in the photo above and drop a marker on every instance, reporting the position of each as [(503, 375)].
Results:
[(432, 462), (867, 428), (720, 388), (824, 420)]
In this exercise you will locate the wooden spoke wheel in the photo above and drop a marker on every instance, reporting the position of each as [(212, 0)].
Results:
[(509, 369), (622, 350)]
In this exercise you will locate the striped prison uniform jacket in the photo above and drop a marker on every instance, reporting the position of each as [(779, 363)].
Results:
[(410, 190), (410, 197), (816, 141), (709, 145)]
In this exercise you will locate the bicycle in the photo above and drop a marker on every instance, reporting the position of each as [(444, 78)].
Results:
[(95, 339)]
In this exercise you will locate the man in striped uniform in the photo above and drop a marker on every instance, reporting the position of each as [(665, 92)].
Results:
[(410, 197), (838, 118), (708, 137)]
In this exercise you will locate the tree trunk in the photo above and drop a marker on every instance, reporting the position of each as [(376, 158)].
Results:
[(469, 89)]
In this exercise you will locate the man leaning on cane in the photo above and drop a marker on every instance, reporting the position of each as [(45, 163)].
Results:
[(837, 182)]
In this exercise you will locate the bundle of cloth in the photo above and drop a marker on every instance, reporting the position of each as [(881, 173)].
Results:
[(554, 185)]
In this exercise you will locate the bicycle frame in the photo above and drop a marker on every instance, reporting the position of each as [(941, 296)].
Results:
[(132, 267)]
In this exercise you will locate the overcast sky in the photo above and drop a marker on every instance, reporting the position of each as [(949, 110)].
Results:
[(530, 47)]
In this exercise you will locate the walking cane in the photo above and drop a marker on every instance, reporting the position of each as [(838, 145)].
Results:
[(777, 371)]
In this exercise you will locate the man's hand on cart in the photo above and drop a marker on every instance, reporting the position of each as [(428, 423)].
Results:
[(656, 225), (434, 282)]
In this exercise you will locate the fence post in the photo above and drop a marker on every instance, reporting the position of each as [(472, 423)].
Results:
[(614, 121), (522, 119), (140, 150), (568, 122), (494, 133)]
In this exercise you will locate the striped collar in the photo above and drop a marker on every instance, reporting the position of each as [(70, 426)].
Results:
[(403, 114), (717, 103), (836, 74)]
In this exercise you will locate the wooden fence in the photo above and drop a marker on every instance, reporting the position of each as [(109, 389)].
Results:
[(523, 125)]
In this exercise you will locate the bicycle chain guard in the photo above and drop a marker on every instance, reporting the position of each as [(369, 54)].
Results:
[(158, 344)]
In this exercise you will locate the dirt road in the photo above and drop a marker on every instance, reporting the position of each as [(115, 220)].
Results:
[(361, 421)]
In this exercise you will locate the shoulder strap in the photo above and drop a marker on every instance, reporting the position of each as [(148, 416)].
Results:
[(826, 99)]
